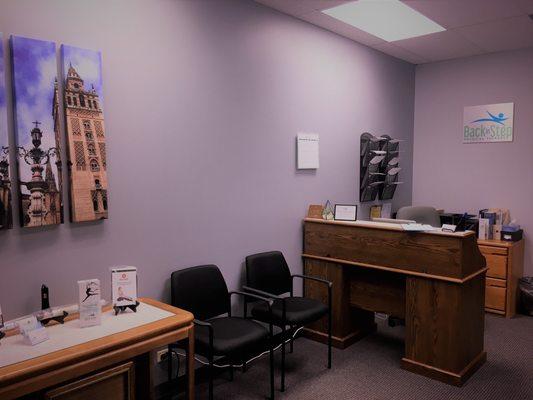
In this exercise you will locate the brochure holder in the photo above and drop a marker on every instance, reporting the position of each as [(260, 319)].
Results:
[(59, 319), (379, 167), (132, 307), (124, 288)]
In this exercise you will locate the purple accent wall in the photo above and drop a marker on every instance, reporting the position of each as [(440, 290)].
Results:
[(468, 177), (203, 103)]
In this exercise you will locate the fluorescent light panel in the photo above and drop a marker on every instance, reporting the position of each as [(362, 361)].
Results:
[(389, 20)]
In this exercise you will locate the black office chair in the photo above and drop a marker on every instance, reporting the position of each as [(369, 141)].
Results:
[(267, 274), (420, 214), (203, 291)]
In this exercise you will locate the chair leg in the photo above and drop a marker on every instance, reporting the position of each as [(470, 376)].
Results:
[(329, 338), (272, 389), (211, 378), (291, 350), (169, 363), (283, 331)]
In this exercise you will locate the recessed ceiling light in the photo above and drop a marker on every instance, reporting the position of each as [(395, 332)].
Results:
[(389, 20)]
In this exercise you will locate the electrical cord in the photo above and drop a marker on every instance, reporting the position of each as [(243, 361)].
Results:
[(246, 362)]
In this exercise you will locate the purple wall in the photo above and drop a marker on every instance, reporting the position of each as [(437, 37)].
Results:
[(203, 103), (468, 177)]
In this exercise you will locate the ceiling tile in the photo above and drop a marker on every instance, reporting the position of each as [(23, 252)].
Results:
[(507, 34), (398, 52), (456, 13), (525, 5), (332, 24), (300, 7), (440, 46)]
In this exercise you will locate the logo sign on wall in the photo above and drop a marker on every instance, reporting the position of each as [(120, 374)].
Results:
[(488, 123)]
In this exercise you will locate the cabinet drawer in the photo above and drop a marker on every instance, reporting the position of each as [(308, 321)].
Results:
[(497, 265), (115, 383), (495, 297), (496, 282), (492, 250)]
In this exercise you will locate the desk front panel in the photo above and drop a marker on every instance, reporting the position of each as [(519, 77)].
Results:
[(446, 256)]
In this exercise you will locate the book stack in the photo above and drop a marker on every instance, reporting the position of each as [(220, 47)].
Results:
[(491, 221)]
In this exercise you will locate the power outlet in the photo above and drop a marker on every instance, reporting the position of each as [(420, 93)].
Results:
[(161, 355)]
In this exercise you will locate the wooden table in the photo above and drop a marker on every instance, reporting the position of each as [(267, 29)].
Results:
[(435, 281), (116, 366)]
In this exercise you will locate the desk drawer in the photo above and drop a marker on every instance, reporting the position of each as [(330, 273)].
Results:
[(497, 265), (116, 383), (495, 297)]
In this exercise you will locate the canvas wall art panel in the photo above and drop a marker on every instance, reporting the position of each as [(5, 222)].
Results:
[(86, 135), (37, 133), (6, 216)]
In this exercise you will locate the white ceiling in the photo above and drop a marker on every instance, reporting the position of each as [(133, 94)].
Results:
[(472, 27)]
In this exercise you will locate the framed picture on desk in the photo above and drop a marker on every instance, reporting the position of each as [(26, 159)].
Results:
[(345, 212)]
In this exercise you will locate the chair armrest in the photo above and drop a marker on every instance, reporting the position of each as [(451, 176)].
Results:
[(211, 332), (272, 296), (253, 296), (313, 278), (256, 297), (203, 324), (262, 293)]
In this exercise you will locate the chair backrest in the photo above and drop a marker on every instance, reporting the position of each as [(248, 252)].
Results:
[(268, 272), (201, 290), (420, 214)]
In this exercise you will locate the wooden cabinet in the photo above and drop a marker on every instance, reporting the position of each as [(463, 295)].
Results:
[(505, 262)]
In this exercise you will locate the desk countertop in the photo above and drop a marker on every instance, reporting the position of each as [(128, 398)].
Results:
[(386, 226)]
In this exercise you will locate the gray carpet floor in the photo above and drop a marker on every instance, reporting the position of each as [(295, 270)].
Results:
[(370, 369)]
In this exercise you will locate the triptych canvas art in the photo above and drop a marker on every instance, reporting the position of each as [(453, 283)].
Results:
[(37, 136), (86, 144), (37, 98), (6, 217)]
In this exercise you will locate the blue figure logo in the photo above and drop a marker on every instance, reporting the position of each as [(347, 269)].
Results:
[(493, 118)]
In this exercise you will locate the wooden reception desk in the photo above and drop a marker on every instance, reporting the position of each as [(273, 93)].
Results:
[(435, 281)]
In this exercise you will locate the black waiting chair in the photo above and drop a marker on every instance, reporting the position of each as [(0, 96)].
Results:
[(267, 274), (203, 291)]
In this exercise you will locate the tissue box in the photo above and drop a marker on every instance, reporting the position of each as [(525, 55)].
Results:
[(511, 236)]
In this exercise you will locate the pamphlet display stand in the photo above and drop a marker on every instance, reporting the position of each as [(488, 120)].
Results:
[(132, 307), (124, 288), (379, 167), (59, 319)]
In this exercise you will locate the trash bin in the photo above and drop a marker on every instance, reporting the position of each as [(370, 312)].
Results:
[(526, 295)]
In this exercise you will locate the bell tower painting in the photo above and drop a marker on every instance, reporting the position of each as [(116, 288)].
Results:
[(86, 134)]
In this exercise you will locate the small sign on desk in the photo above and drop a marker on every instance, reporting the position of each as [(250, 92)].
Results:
[(345, 212)]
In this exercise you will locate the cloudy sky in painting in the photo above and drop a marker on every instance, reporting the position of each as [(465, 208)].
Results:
[(34, 72), (88, 64), (3, 111)]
